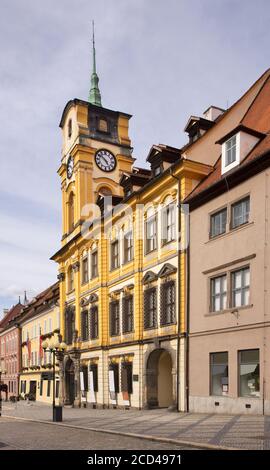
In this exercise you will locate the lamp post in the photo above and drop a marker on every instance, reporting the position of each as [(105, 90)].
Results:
[(2, 371), (54, 347)]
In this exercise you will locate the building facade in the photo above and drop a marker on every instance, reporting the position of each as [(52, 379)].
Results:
[(10, 346), (229, 309), (122, 264), (40, 320)]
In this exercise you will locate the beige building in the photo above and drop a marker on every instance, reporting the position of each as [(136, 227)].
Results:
[(40, 320), (229, 262)]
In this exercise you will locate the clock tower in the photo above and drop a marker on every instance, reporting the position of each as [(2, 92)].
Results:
[(96, 151)]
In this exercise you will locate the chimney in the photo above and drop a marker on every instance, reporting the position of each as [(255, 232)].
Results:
[(5, 311), (212, 113)]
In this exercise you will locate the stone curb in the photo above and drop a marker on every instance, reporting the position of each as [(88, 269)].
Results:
[(148, 437)]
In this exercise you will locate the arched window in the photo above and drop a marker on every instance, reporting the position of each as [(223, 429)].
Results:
[(104, 191), (71, 212)]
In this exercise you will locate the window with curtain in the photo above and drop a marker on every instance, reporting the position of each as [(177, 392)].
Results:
[(168, 223), (151, 234)]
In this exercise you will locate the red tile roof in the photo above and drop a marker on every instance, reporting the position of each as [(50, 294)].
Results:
[(257, 120), (41, 302), (11, 315)]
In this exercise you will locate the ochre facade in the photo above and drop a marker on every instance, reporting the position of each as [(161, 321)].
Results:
[(143, 356)]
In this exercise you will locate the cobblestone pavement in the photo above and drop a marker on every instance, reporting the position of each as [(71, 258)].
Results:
[(240, 431), (18, 435)]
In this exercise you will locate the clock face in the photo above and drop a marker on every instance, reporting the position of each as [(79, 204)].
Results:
[(70, 165), (105, 160)]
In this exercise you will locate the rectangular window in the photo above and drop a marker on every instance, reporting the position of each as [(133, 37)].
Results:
[(85, 325), (219, 374), (127, 326), (240, 212), (85, 270), (230, 151), (168, 224), (114, 318), (240, 287), (219, 293), (150, 308), (115, 255), (151, 234), (128, 247), (41, 388), (94, 322), (167, 310), (94, 264), (218, 223), (249, 373)]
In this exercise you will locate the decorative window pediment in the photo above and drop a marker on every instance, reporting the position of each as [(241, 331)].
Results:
[(167, 270), (93, 298), (84, 302), (150, 276)]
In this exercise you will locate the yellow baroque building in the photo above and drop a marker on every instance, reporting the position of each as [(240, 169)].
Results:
[(40, 320), (122, 263)]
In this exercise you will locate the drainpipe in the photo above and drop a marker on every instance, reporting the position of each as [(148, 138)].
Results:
[(179, 290)]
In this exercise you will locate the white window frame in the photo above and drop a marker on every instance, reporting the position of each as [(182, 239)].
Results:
[(224, 167)]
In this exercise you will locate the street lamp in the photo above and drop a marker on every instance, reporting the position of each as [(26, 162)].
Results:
[(55, 347), (2, 371)]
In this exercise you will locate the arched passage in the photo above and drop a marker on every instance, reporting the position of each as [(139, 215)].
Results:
[(159, 380), (69, 382)]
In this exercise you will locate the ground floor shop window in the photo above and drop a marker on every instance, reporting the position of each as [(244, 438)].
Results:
[(41, 388), (219, 376), (249, 373)]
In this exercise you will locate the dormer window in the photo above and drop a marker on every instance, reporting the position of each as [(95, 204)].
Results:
[(230, 151), (236, 145), (157, 171)]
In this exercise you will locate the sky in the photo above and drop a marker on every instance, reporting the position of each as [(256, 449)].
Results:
[(159, 60)]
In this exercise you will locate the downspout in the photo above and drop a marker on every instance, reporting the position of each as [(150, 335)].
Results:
[(179, 291)]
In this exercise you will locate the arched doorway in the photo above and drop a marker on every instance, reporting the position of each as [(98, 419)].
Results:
[(69, 382), (159, 381)]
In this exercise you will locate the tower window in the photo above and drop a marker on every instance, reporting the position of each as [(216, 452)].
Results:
[(69, 128), (103, 125), (71, 212)]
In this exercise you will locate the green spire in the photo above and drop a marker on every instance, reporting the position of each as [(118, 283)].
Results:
[(94, 94)]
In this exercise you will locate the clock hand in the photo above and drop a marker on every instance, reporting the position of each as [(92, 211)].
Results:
[(105, 160)]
